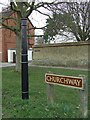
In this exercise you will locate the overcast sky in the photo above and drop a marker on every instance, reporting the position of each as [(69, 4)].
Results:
[(36, 18)]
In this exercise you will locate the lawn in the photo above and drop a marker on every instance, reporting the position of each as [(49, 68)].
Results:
[(66, 100)]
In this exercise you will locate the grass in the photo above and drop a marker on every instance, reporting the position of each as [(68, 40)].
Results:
[(66, 100)]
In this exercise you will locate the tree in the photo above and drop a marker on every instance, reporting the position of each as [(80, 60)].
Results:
[(39, 41), (23, 9), (69, 17)]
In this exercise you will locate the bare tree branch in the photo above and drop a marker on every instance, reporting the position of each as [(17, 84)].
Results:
[(74, 16), (37, 28), (14, 7), (43, 13), (31, 9), (30, 36), (8, 18), (9, 27), (42, 4)]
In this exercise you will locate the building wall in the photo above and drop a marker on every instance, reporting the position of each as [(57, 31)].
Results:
[(8, 39), (0, 44), (64, 54), (30, 32)]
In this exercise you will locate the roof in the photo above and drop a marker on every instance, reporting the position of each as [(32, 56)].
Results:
[(6, 12)]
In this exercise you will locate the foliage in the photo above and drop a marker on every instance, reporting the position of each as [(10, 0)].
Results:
[(69, 17), (39, 40)]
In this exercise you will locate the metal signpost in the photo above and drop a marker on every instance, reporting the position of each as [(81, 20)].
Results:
[(24, 60)]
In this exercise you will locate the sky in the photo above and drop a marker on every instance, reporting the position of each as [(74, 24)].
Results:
[(36, 18)]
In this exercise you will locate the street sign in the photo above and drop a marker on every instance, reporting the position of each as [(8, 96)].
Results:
[(68, 81), (80, 83)]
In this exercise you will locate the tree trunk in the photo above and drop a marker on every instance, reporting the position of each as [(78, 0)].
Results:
[(18, 52)]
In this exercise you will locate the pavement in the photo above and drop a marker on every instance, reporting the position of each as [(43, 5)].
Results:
[(29, 64), (6, 64), (72, 68)]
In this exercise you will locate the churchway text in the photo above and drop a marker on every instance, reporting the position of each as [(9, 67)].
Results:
[(70, 81)]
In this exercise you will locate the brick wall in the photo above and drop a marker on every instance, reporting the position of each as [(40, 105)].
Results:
[(64, 54), (0, 44), (30, 32), (8, 38), (8, 41)]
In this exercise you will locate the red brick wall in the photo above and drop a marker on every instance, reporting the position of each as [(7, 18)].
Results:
[(0, 44), (30, 32), (9, 39)]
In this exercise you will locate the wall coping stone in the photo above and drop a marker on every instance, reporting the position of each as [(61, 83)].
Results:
[(63, 44)]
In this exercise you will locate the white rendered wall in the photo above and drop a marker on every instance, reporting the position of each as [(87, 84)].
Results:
[(10, 55), (30, 54)]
